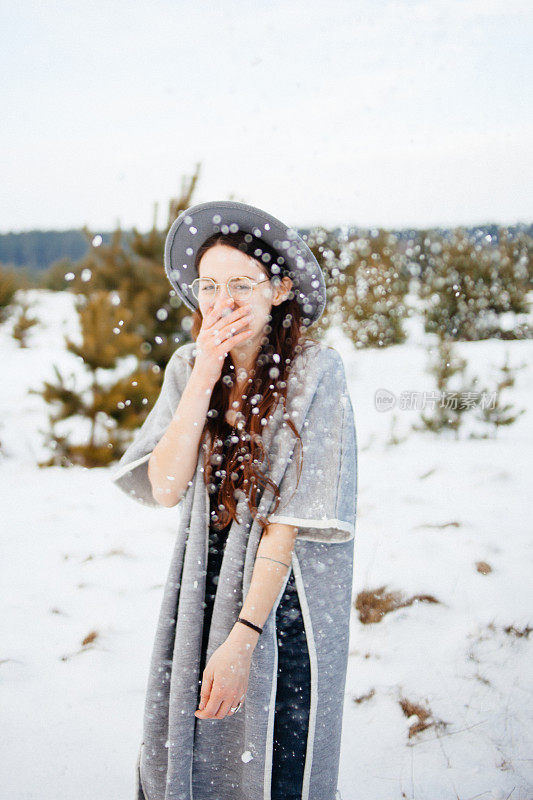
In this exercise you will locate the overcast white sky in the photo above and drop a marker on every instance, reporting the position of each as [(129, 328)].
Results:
[(366, 113)]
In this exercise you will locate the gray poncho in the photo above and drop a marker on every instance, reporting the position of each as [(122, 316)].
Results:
[(186, 758)]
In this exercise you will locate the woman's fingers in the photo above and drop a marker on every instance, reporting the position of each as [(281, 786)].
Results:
[(224, 685), (227, 336), (229, 333), (219, 309), (221, 322), (215, 700), (218, 703), (224, 709), (205, 691), (224, 331), (226, 326), (215, 338)]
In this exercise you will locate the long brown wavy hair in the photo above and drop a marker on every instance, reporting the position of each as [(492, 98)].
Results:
[(284, 336)]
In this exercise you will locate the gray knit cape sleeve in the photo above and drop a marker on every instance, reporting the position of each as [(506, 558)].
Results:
[(131, 473), (323, 504)]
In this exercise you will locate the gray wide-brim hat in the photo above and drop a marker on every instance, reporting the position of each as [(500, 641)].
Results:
[(194, 225)]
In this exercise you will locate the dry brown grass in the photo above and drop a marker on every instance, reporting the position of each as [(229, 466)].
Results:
[(373, 604), (362, 697), (510, 630), (424, 717)]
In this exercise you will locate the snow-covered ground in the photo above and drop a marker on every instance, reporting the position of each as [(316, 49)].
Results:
[(82, 561)]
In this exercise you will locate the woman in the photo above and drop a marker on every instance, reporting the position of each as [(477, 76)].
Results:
[(219, 441)]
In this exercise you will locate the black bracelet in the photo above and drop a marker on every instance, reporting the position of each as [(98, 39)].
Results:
[(250, 625)]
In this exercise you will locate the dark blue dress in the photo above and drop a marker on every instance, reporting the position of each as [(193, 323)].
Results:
[(293, 692)]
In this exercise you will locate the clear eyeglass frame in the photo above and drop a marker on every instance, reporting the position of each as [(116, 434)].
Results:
[(195, 286)]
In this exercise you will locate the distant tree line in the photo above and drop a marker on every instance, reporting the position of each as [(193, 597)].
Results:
[(37, 250)]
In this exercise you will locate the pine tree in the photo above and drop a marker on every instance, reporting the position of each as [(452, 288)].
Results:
[(449, 406), (9, 284), (498, 413), (326, 248), (135, 275), (467, 286), (24, 323), (126, 307), (105, 339), (366, 285)]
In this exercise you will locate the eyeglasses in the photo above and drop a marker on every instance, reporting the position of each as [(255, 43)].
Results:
[(238, 288)]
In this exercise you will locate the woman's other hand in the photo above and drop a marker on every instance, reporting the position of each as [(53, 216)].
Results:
[(224, 680)]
